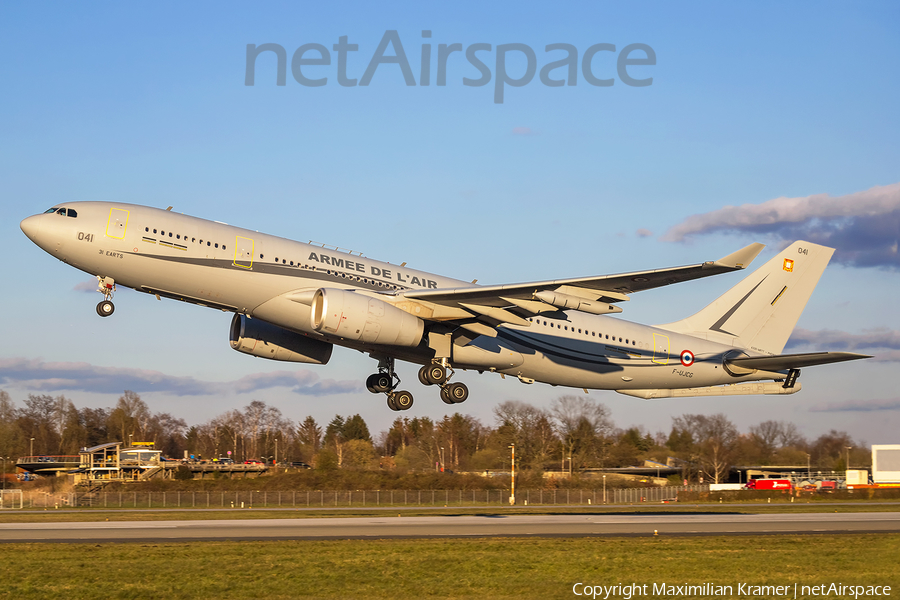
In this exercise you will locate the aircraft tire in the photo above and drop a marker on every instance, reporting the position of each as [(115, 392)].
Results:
[(457, 392), (391, 403), (445, 396), (422, 379), (378, 383), (436, 374), (403, 400), (106, 308)]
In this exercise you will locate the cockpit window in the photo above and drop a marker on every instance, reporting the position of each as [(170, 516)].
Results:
[(62, 211)]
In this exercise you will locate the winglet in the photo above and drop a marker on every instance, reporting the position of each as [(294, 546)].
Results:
[(741, 258)]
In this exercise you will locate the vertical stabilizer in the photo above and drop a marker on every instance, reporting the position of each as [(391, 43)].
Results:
[(761, 311)]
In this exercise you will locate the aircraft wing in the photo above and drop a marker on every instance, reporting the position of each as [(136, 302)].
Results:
[(794, 361), (508, 303)]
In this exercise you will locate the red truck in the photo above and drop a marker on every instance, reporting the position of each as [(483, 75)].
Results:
[(769, 484)]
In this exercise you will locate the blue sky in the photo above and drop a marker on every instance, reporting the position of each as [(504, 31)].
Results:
[(749, 104)]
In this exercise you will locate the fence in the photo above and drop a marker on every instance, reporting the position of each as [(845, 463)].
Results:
[(11, 499), (354, 499)]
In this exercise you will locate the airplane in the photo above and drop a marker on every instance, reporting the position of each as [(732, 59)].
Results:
[(294, 301)]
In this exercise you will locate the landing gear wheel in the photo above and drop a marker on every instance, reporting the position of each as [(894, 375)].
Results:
[(391, 403), (403, 400), (457, 392), (422, 378), (106, 308), (378, 383), (436, 374), (445, 396)]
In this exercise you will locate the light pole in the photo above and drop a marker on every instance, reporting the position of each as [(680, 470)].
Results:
[(808, 469), (4, 472), (130, 440), (512, 495), (442, 459), (31, 452), (276, 453), (604, 489), (849, 448)]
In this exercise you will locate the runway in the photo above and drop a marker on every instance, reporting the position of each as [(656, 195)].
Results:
[(452, 526)]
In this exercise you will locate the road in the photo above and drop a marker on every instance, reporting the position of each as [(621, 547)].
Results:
[(452, 526)]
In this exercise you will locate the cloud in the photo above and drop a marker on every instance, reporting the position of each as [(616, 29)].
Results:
[(858, 406), (883, 343), (643, 232), (86, 286), (40, 376), (863, 227)]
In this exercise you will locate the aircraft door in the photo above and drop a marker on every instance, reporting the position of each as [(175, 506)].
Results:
[(117, 224), (660, 349), (243, 252)]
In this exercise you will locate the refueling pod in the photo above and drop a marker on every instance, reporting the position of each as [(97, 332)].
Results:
[(357, 317), (262, 339)]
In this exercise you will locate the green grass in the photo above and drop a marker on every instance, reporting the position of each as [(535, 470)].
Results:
[(458, 568)]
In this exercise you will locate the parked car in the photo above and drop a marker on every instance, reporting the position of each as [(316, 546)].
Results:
[(300, 465)]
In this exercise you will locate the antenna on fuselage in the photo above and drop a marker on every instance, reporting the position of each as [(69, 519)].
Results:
[(170, 208)]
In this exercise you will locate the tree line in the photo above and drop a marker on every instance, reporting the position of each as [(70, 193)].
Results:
[(573, 433)]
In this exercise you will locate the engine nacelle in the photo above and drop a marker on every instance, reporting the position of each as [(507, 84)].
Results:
[(363, 318), (262, 339)]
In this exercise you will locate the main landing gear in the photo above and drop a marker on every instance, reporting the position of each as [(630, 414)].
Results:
[(383, 382), (436, 374), (107, 286)]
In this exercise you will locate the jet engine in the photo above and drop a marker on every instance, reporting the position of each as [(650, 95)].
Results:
[(262, 339), (357, 317)]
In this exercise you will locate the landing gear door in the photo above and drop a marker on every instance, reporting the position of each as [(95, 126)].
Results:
[(243, 252), (117, 224), (660, 349)]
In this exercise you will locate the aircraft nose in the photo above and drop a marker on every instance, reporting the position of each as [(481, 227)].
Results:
[(31, 227)]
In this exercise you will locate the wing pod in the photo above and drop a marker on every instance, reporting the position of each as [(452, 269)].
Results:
[(568, 302)]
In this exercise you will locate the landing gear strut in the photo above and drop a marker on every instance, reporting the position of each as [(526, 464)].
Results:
[(386, 381), (107, 286), (436, 374)]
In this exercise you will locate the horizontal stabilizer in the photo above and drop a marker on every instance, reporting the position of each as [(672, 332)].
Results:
[(793, 361)]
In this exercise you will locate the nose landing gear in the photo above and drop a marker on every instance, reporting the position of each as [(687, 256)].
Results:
[(383, 382), (107, 286)]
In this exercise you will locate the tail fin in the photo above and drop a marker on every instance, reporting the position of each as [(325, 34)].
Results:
[(761, 311)]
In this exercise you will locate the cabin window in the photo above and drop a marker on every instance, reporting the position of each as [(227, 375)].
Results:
[(292, 263), (178, 237), (223, 246), (154, 231), (217, 244), (284, 261), (260, 257), (593, 334), (161, 232), (147, 229), (193, 240)]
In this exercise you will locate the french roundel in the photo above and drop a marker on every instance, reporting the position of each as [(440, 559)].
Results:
[(687, 358)]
